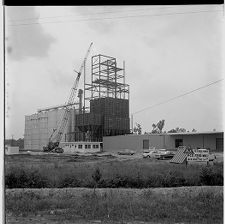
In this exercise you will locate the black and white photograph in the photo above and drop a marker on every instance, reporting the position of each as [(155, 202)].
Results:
[(113, 114)]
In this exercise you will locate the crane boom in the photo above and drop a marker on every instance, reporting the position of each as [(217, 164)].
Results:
[(56, 136)]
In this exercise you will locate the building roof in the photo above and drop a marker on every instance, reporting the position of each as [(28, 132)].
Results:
[(196, 133), (186, 133), (180, 133)]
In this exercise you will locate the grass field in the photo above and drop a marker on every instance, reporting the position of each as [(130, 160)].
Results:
[(112, 189), (161, 205), (77, 171)]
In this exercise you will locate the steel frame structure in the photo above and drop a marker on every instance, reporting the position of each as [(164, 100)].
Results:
[(107, 80)]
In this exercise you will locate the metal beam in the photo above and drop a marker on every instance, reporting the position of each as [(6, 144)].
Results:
[(56, 107)]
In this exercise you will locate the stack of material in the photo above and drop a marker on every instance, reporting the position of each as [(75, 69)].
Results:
[(180, 156)]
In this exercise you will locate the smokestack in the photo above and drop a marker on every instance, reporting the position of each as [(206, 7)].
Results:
[(80, 96)]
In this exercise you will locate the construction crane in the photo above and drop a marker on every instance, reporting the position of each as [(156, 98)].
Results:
[(56, 136)]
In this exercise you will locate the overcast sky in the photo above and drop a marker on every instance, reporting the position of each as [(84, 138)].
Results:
[(168, 51)]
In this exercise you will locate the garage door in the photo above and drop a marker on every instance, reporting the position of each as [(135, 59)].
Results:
[(219, 144)]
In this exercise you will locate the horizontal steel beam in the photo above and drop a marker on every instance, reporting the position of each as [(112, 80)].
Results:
[(56, 107)]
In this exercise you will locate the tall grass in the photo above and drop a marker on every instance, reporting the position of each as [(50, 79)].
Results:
[(53, 171), (204, 207)]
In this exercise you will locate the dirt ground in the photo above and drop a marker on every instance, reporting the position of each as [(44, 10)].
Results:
[(47, 219), (53, 219), (104, 156)]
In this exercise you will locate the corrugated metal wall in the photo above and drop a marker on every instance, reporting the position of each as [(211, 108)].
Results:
[(108, 116), (39, 127)]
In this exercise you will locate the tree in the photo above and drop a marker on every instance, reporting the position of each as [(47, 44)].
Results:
[(160, 125), (172, 131), (96, 176), (193, 130), (137, 129), (157, 128), (177, 130)]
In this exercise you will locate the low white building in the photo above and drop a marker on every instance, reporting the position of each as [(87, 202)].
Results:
[(207, 140), (81, 147), (10, 150)]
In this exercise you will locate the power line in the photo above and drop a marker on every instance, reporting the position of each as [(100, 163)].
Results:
[(111, 18), (109, 12), (179, 96)]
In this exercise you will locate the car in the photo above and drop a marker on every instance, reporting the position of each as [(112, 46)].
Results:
[(126, 152), (58, 150), (212, 157), (164, 154), (149, 153), (168, 155)]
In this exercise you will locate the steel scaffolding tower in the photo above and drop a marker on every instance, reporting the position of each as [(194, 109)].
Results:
[(107, 80)]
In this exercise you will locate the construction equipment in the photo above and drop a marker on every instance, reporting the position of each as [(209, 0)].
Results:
[(56, 136)]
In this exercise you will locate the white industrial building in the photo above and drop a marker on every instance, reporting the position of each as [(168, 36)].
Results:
[(40, 126)]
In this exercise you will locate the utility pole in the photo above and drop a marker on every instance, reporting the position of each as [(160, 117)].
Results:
[(132, 123), (12, 141)]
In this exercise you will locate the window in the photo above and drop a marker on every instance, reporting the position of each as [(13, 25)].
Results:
[(89, 146), (96, 146), (86, 146), (80, 147), (178, 142), (219, 144)]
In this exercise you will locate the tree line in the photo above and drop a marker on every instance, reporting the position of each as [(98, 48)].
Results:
[(13, 142), (157, 128)]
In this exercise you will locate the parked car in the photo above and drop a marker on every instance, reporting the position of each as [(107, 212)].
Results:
[(149, 154), (168, 155), (126, 152), (164, 154), (212, 157), (58, 150)]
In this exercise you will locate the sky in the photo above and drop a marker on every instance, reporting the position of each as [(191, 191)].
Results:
[(168, 51)]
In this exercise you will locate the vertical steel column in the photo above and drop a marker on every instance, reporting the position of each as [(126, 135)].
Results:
[(124, 79), (107, 78), (92, 76), (99, 71), (84, 83), (115, 80)]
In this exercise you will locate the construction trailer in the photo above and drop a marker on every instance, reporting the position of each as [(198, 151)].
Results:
[(81, 147), (102, 110)]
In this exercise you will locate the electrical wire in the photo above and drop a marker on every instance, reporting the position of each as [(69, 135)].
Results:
[(111, 18), (99, 13), (179, 96)]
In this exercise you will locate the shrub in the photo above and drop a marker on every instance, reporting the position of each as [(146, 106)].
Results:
[(173, 179), (21, 179), (69, 182), (97, 176), (210, 177)]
